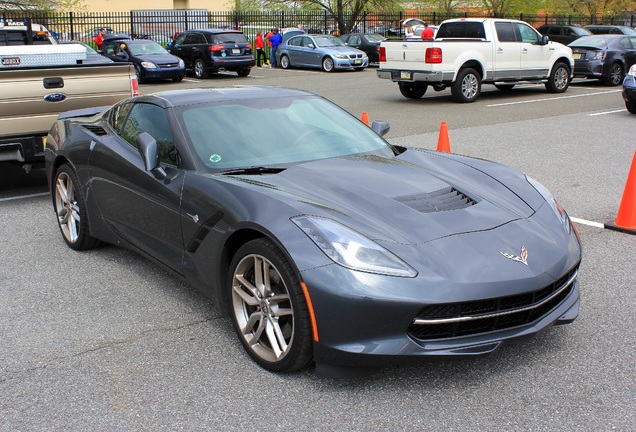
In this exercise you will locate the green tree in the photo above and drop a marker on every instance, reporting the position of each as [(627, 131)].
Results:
[(506, 8), (592, 8), (39, 5), (346, 13)]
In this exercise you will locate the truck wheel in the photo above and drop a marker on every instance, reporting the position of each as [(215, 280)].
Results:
[(615, 75), (412, 90), (467, 87), (70, 209), (559, 79), (200, 70)]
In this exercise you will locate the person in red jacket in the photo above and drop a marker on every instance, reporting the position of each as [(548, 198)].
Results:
[(259, 44), (99, 38), (428, 32)]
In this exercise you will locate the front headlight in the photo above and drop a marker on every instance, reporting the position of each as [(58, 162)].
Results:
[(556, 208), (149, 65), (181, 63), (351, 249), (632, 71), (341, 56)]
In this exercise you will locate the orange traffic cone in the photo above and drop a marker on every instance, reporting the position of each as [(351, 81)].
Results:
[(365, 118), (626, 218), (443, 143)]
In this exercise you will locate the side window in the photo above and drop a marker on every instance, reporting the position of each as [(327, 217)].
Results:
[(354, 40), (294, 41), (190, 39), (625, 43), (180, 39), (555, 31), (152, 119), (200, 39), (528, 34), (505, 32), (118, 115)]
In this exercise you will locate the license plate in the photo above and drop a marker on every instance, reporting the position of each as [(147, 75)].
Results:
[(577, 56), (357, 61), (405, 75), (236, 51)]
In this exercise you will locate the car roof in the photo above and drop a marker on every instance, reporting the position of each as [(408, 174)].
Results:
[(213, 31), (176, 98)]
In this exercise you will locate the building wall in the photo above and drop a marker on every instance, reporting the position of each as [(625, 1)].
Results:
[(126, 5)]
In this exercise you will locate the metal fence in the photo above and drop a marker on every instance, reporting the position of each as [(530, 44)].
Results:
[(161, 25)]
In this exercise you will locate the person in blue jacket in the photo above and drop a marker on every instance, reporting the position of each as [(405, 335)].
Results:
[(275, 39)]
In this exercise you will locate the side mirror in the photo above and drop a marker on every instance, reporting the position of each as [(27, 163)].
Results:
[(149, 152), (380, 127), (545, 40), (312, 46)]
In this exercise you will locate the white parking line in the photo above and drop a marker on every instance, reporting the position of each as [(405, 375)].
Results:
[(607, 112), (554, 98), (24, 196)]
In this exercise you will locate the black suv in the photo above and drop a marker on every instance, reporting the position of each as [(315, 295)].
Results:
[(213, 50), (563, 33)]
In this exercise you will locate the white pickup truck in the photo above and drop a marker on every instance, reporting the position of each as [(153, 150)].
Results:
[(467, 53)]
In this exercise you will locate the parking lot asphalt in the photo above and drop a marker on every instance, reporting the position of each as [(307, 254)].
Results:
[(105, 340)]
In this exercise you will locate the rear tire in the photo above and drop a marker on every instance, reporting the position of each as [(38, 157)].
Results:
[(70, 209), (243, 72), (559, 79), (284, 62), (412, 90), (615, 75), (200, 71), (467, 87)]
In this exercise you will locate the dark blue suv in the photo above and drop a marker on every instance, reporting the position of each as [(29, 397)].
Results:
[(206, 51)]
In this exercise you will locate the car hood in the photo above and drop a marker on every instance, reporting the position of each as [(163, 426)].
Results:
[(405, 200), (344, 50), (161, 59)]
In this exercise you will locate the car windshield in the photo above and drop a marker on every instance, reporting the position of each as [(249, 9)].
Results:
[(328, 41), (146, 48), (590, 42), (374, 37), (293, 130)]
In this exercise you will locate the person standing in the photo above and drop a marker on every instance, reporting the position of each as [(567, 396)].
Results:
[(259, 43), (428, 32), (276, 39), (99, 38)]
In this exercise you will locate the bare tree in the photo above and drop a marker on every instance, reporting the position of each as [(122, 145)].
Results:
[(39, 5)]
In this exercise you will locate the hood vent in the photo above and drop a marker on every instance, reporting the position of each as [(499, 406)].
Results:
[(97, 130), (444, 199)]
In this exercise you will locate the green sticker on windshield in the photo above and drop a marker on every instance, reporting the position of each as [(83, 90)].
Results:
[(215, 158)]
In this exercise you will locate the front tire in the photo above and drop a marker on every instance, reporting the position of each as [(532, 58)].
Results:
[(615, 75), (70, 209), (630, 107), (327, 64), (268, 308), (200, 71), (284, 62), (412, 90), (559, 79), (467, 87)]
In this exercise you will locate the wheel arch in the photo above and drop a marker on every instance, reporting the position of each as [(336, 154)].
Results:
[(55, 165), (565, 61), (471, 64)]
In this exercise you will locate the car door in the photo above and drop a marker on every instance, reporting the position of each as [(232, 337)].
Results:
[(311, 55), (293, 48), (507, 59), (630, 52), (141, 209), (181, 48), (535, 57)]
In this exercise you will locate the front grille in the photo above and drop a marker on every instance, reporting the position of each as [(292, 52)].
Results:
[(474, 317), (443, 199), (355, 56), (169, 65)]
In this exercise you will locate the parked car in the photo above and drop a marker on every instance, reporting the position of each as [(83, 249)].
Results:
[(562, 33), (610, 29), (151, 60), (629, 90), (92, 56), (320, 51), (367, 42), (318, 238), (213, 50), (605, 57)]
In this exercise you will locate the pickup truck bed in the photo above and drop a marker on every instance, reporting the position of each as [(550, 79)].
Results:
[(31, 99)]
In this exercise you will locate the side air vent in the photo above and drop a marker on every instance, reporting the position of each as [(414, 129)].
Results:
[(444, 199), (97, 130)]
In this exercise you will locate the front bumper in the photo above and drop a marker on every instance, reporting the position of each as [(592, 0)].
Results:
[(629, 89), (161, 73), (349, 63)]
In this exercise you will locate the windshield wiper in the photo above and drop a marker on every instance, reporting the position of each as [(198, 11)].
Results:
[(254, 170)]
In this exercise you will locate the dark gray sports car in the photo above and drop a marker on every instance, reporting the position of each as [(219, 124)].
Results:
[(322, 241)]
